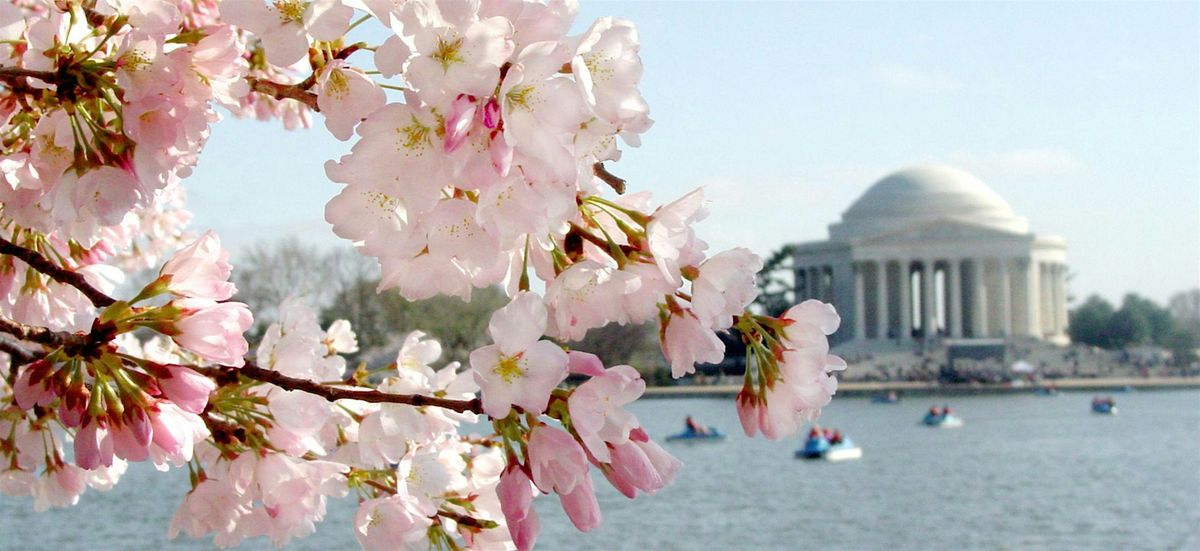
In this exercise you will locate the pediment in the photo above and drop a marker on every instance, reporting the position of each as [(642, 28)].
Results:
[(944, 230)]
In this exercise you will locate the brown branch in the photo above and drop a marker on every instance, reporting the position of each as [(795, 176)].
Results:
[(17, 354), (332, 393), (14, 73), (617, 183), (40, 335), (298, 92), (465, 520), (62, 275)]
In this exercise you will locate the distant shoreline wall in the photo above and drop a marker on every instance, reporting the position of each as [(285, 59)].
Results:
[(916, 388)]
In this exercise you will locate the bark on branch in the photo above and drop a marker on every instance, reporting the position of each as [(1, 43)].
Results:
[(298, 92), (62, 275), (334, 393), (617, 183)]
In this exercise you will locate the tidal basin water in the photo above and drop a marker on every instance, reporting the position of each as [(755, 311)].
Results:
[(1026, 472)]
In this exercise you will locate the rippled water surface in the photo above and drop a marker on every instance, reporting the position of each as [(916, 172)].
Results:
[(1025, 472)]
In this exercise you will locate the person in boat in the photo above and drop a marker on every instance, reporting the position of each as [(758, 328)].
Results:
[(891, 396), (946, 410), (935, 411), (837, 437), (692, 427)]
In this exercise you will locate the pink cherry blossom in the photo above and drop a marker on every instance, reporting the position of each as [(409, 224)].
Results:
[(725, 286), (687, 341), (597, 409), (518, 369), (200, 270), (391, 522), (346, 96), (286, 27)]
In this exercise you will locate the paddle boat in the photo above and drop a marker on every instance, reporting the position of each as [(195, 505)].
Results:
[(820, 448), (942, 420), (1104, 406), (688, 435), (889, 398), (1045, 391), (695, 432)]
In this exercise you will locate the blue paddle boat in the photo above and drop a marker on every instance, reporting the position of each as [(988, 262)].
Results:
[(712, 435), (889, 398), (1104, 406), (820, 448), (942, 421), (695, 432)]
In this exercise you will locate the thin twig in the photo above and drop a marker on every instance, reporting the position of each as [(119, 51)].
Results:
[(332, 393), (298, 92), (62, 275), (617, 183)]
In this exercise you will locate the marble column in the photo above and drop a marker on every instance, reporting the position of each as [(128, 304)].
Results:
[(1005, 298), (881, 300), (954, 298), (979, 306), (860, 310), (1033, 305), (1060, 306), (928, 300), (905, 300)]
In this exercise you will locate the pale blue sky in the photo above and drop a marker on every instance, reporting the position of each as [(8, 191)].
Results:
[(1084, 116)]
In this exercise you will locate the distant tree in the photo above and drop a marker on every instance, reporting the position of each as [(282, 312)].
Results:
[(271, 271), (382, 320), (1185, 307), (776, 282), (1089, 321), (1158, 319), (1126, 327), (1184, 339), (635, 345)]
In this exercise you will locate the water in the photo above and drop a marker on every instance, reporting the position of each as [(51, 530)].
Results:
[(1025, 472)]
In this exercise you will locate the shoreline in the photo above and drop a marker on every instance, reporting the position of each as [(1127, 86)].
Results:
[(920, 388)]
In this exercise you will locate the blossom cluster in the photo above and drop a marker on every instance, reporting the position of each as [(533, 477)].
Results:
[(480, 130)]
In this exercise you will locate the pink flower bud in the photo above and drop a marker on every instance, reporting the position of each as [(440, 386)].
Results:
[(186, 388), (633, 469), (491, 113), (458, 123), (516, 495), (31, 386), (581, 505), (131, 438), (747, 411), (585, 363), (200, 270), (556, 459), (502, 154), (214, 331), (93, 446)]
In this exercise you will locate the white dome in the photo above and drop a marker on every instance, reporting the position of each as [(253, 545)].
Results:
[(915, 196)]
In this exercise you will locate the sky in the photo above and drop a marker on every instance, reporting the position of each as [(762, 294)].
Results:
[(1084, 116)]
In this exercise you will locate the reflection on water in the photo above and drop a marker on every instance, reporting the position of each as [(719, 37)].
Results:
[(1025, 472)]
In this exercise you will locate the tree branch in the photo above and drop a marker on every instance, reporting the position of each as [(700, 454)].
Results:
[(298, 92), (14, 73), (617, 183), (62, 275), (331, 393)]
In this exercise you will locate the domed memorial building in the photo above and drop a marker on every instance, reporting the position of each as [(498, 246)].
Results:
[(933, 251)]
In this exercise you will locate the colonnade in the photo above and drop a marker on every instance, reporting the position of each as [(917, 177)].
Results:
[(955, 297)]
